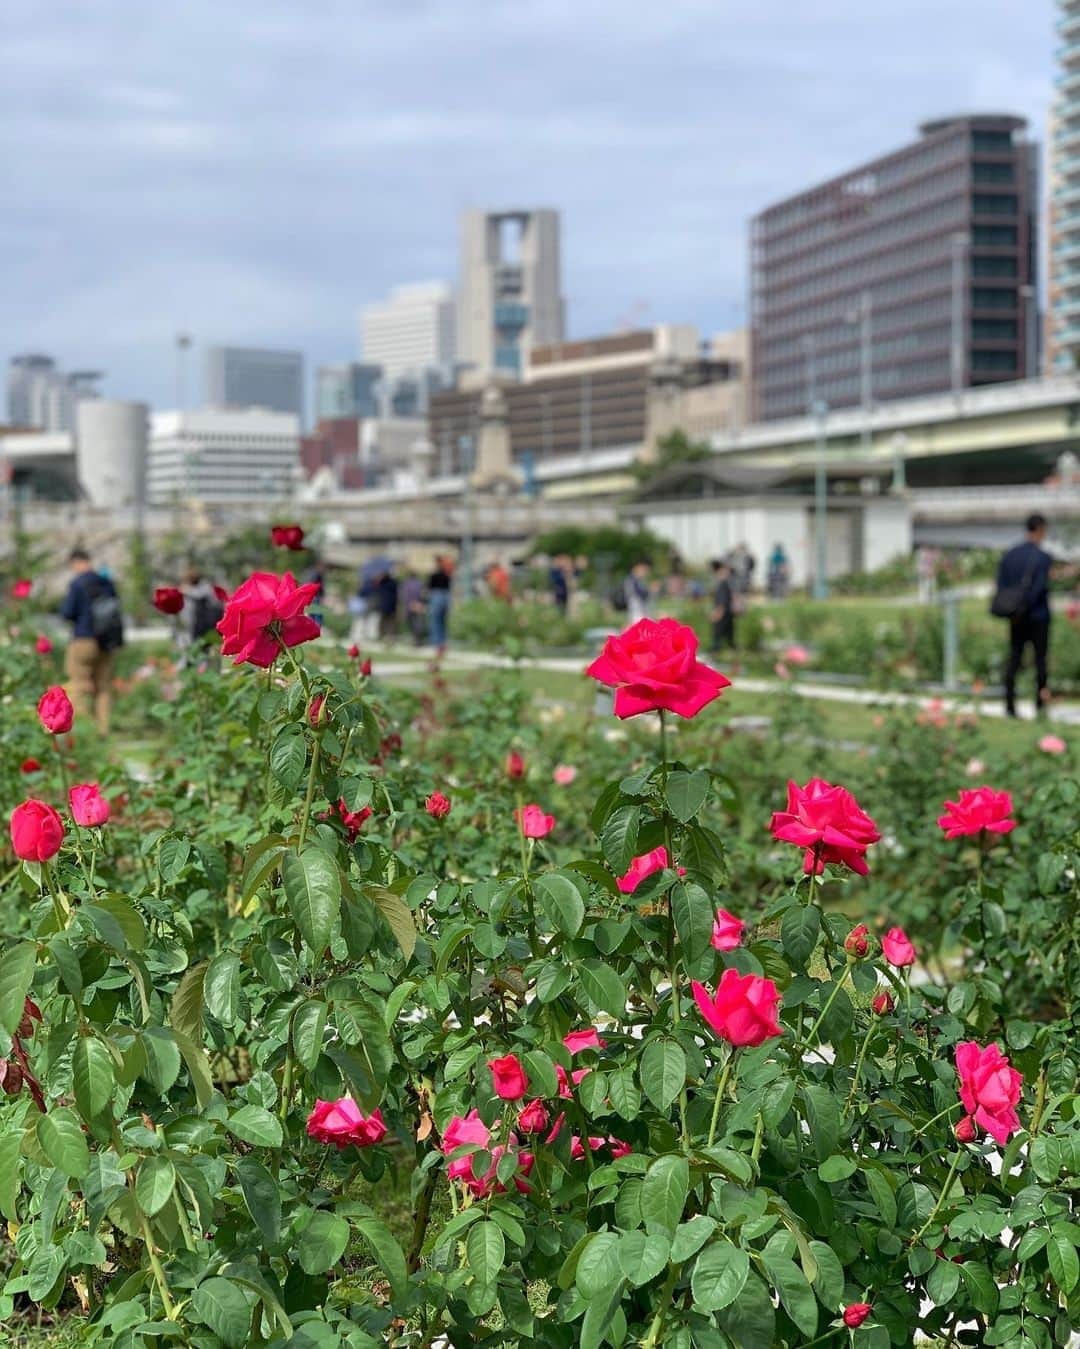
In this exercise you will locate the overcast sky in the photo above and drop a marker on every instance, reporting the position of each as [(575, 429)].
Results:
[(255, 170)]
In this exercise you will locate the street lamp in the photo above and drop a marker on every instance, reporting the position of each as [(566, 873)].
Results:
[(959, 243), (818, 409), (1031, 332)]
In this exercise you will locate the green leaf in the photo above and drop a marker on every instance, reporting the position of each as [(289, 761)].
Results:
[(223, 1307), (367, 1066), (260, 861), (257, 1126), (221, 988), (552, 981), (624, 1094), (602, 987), (694, 914), (663, 1193), (173, 854), (128, 918), (829, 1280), (288, 757), (796, 1295), (10, 1147), (93, 1075), (485, 1250), (45, 1268), (690, 1236), (197, 1065), (162, 1058), (16, 976), (262, 1195), (561, 901), (308, 1025), (387, 1251), (154, 1184), (1031, 1243), (882, 1194), (313, 893), (836, 1168), (981, 1287), (642, 1257), (1064, 1263), (719, 1275), (686, 793), (323, 1242), (599, 1315), (61, 1139), (823, 1117), (598, 1265), (619, 836), (663, 1072), (942, 1282), (540, 1071), (186, 1008), (799, 931), (398, 917)]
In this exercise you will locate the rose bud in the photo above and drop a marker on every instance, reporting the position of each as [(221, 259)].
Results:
[(857, 942), (882, 1003), (856, 1313)]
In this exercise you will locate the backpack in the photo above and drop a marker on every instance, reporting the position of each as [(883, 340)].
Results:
[(106, 616), (1013, 601), (208, 612), (618, 598)]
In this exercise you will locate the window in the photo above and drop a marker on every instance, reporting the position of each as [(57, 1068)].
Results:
[(983, 266), (1004, 203), (993, 330), (993, 297), (991, 142), (994, 236), (993, 173), (993, 360)]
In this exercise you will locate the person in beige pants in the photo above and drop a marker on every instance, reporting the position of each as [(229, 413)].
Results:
[(89, 659)]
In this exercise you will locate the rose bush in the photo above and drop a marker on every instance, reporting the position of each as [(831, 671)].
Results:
[(276, 979)]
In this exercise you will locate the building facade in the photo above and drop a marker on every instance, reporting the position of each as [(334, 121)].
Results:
[(509, 289), (222, 455), (41, 396), (410, 332), (1063, 254), (347, 390), (255, 377), (912, 274)]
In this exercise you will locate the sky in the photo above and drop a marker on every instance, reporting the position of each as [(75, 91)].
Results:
[(254, 171)]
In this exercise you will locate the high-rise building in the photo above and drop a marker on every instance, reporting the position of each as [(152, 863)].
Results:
[(218, 454), (411, 331), (912, 274), (255, 377), (347, 390), (1063, 255), (510, 288), (39, 395)]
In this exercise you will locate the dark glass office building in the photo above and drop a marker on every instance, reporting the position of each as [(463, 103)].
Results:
[(913, 274)]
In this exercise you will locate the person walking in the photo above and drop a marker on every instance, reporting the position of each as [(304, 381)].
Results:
[(92, 608), (1023, 597), (201, 613), (638, 594), (559, 576), (439, 602), (723, 608), (415, 606), (386, 593), (779, 572)]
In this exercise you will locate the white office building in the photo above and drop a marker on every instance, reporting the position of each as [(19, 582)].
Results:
[(42, 396), (219, 455), (510, 289), (410, 332)]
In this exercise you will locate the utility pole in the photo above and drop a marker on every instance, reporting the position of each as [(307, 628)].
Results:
[(183, 345), (818, 409), (959, 243)]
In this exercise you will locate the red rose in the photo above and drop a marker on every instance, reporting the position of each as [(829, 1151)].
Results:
[(882, 1004), (856, 1313), (37, 831), (353, 820), (640, 868), (354, 652), (21, 589), (586, 1038), (515, 765), (897, 948), (315, 707), (43, 646), (509, 1077), (727, 930), (437, 806), (341, 1123), (55, 710), (827, 822), (88, 806), (533, 1119), (978, 809), (989, 1089), (265, 614), (565, 1080), (857, 941), (287, 536), (30, 766), (365, 667), (653, 666), (532, 821), (743, 1009), (168, 600), (465, 1131), (965, 1130)]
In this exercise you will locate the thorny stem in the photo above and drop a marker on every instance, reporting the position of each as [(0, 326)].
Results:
[(310, 795), (940, 1199), (663, 1302), (58, 908), (720, 1089), (871, 1028)]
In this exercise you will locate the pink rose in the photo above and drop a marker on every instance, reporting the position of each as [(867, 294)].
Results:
[(727, 930), (743, 1009), (21, 589), (37, 831), (897, 949), (978, 809), (88, 807), (533, 1118), (564, 774), (641, 867), (653, 666), (989, 1089), (341, 1123), (586, 1038), (1052, 744), (43, 646), (857, 941), (265, 614), (55, 711), (509, 1077), (532, 821), (828, 823)]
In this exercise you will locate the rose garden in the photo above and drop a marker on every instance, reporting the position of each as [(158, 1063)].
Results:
[(376, 1015)]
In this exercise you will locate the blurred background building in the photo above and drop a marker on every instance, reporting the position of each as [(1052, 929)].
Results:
[(1063, 215), (410, 337), (349, 389), (912, 274), (42, 396), (255, 377), (219, 454)]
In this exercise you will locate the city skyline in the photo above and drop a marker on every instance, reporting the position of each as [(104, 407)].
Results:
[(255, 176)]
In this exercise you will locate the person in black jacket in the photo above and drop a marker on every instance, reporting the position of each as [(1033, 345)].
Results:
[(96, 632), (1027, 568)]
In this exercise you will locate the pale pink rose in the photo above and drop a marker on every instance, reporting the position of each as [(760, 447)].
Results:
[(975, 768), (564, 774), (1052, 744)]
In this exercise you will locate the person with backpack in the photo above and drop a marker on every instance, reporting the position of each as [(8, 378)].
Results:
[(1023, 597), (92, 608), (203, 610)]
